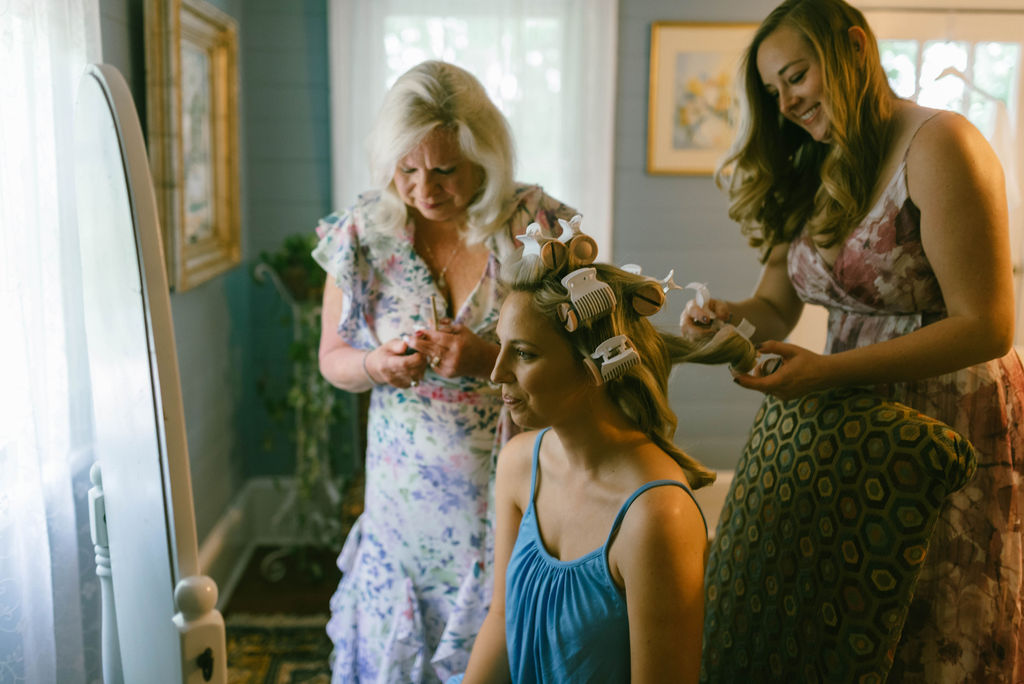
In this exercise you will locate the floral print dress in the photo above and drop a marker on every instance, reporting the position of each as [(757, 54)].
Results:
[(416, 566), (964, 624)]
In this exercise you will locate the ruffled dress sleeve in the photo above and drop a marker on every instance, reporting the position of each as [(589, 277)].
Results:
[(343, 253)]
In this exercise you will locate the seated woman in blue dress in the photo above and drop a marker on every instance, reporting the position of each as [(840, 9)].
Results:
[(600, 546)]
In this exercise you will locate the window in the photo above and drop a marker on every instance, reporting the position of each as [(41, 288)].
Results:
[(549, 65), (971, 63)]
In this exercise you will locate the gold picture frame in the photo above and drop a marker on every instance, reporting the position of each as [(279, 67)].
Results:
[(693, 108), (192, 116)]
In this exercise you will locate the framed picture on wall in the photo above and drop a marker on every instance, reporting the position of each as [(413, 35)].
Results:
[(693, 110), (192, 115)]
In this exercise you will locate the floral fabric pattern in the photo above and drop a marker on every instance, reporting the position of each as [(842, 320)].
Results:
[(416, 580), (964, 624)]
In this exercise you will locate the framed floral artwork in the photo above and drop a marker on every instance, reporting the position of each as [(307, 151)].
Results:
[(693, 109), (192, 112)]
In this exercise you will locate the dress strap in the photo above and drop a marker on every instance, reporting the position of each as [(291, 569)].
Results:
[(536, 461), (640, 490), (917, 130)]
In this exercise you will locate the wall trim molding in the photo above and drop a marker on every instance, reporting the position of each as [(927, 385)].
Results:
[(246, 523)]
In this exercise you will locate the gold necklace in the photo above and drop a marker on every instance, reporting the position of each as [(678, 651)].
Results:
[(442, 280)]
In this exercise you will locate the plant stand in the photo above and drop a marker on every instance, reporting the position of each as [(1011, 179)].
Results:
[(311, 506)]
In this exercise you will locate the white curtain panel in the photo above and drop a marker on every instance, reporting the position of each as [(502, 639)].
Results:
[(44, 405), (550, 65)]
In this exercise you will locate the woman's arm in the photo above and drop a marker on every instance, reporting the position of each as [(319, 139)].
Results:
[(357, 370), (956, 181), (659, 554), (489, 659)]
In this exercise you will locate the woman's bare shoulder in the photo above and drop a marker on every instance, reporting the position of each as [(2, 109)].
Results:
[(517, 454), (939, 134), (662, 520), (948, 152)]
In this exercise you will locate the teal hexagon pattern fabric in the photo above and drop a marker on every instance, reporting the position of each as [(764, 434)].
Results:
[(822, 536)]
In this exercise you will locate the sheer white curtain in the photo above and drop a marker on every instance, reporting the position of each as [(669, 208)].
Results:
[(44, 395), (549, 65)]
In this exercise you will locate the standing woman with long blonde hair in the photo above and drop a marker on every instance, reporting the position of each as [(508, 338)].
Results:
[(893, 216), (409, 309)]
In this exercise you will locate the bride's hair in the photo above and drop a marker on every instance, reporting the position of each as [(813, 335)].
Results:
[(641, 390)]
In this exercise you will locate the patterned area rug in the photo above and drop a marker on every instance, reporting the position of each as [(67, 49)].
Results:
[(278, 649)]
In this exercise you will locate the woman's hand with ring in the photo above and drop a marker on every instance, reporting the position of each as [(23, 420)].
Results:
[(393, 364), (455, 351)]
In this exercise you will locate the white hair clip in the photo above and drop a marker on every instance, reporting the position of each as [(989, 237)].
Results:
[(534, 239), (632, 268), (551, 250), (703, 295), (667, 283), (570, 228), (529, 240), (617, 356), (589, 298)]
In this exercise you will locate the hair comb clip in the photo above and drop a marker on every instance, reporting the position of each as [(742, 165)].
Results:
[(589, 298), (617, 356), (582, 248), (632, 268)]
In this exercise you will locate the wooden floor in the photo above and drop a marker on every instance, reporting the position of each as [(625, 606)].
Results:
[(307, 578)]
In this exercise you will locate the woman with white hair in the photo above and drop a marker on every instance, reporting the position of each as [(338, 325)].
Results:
[(409, 311)]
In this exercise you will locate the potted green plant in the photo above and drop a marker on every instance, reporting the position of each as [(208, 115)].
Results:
[(317, 509)]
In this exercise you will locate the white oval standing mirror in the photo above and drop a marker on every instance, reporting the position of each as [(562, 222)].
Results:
[(160, 624)]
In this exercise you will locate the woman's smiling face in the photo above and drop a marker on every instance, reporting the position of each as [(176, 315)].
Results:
[(541, 376), (791, 74)]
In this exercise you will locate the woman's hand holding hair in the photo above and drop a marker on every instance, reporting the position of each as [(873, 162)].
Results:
[(453, 350), (801, 371), (698, 321)]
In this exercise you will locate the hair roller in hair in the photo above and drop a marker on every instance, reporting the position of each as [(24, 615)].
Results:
[(554, 254), (581, 247), (648, 299), (595, 373)]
